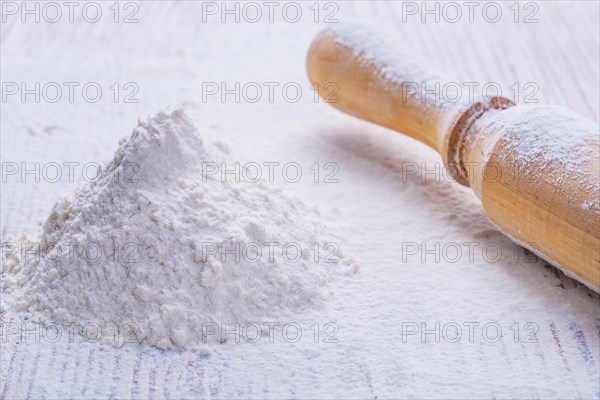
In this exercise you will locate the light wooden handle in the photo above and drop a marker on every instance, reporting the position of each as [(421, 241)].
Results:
[(542, 205), (372, 88), (393, 90)]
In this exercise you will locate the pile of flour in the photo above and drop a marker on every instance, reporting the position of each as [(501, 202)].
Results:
[(139, 246)]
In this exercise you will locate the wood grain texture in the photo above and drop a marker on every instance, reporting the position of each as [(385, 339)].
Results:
[(559, 55)]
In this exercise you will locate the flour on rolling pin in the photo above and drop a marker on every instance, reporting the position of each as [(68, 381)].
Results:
[(541, 136), (534, 168), (565, 143), (554, 134), (159, 229), (391, 61)]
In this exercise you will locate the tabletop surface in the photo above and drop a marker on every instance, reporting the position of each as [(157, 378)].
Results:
[(546, 52)]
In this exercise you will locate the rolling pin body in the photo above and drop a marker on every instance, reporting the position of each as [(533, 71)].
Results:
[(536, 169)]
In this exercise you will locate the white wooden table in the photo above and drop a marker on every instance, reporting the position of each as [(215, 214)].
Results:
[(168, 54)]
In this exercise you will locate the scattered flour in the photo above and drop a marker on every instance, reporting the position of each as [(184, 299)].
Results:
[(156, 218)]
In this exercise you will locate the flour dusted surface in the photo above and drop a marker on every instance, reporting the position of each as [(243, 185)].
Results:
[(160, 220)]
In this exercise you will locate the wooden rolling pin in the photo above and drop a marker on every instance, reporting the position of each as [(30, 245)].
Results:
[(536, 169)]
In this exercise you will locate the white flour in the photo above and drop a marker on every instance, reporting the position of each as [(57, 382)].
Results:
[(157, 219)]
